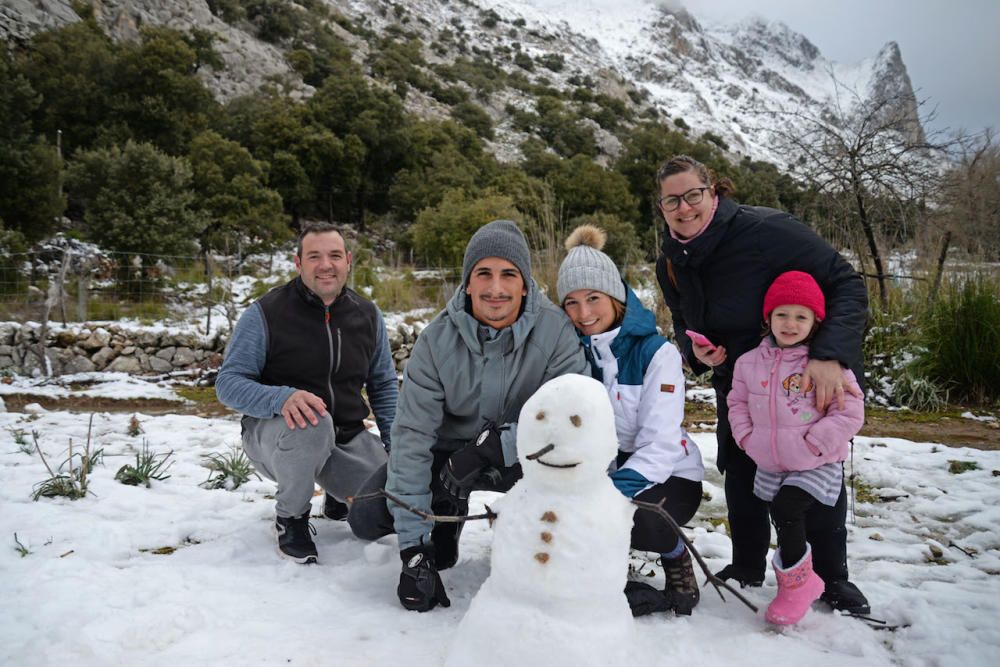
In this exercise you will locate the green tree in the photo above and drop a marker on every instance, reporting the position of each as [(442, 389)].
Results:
[(72, 70), (623, 243), (475, 117), (584, 187), (441, 233), (349, 106), (158, 95), (558, 126), (136, 199), (30, 169), (401, 63), (441, 156), (644, 148), (528, 193), (229, 11), (314, 171), (287, 177), (231, 198), (274, 20)]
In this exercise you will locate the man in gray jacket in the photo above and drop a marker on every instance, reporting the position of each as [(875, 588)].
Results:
[(495, 343), (297, 361)]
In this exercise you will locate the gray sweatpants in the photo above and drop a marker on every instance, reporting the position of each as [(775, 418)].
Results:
[(301, 458)]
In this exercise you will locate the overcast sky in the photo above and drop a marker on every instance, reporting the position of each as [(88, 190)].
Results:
[(951, 48)]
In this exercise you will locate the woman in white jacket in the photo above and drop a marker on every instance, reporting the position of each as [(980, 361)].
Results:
[(642, 372)]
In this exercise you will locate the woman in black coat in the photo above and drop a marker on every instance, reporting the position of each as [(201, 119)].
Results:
[(718, 259)]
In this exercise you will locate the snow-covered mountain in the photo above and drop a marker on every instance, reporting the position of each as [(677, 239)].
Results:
[(729, 80), (726, 79)]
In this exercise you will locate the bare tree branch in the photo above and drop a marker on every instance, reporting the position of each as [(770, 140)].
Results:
[(441, 518), (870, 153), (658, 508)]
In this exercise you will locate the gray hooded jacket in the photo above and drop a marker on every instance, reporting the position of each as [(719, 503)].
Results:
[(453, 384)]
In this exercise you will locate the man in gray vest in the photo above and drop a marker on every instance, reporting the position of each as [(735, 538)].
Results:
[(295, 366), (495, 343)]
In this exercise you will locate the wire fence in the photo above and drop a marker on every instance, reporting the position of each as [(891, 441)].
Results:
[(81, 284)]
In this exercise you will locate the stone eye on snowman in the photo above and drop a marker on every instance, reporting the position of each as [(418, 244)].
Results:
[(561, 541)]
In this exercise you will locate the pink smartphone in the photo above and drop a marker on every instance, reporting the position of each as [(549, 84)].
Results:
[(699, 339)]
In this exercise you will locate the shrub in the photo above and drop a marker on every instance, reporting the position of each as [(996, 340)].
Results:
[(956, 467), (229, 11), (148, 466), (228, 471), (715, 139), (961, 337), (490, 19), (552, 61), (917, 392), (441, 232), (137, 199), (623, 244), (890, 347), (21, 440), (474, 117), (72, 478)]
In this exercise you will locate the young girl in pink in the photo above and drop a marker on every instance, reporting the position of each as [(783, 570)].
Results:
[(799, 451)]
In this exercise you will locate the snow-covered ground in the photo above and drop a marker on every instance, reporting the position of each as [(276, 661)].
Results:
[(91, 589)]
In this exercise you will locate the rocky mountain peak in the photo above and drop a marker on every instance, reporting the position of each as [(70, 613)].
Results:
[(718, 80)]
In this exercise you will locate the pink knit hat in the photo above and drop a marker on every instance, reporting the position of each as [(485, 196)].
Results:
[(795, 288)]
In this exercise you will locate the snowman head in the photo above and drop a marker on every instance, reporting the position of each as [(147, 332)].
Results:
[(566, 432)]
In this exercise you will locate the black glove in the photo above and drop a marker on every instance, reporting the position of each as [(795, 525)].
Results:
[(420, 587), (465, 466), (644, 599)]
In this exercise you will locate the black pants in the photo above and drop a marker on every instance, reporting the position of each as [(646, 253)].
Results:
[(826, 527), (788, 511), (649, 531), (371, 519)]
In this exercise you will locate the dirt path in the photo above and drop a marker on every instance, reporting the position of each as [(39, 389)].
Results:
[(947, 428)]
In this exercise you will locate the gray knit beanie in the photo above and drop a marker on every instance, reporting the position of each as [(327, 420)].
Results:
[(586, 267), (500, 238)]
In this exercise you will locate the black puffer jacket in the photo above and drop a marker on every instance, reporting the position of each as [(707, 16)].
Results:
[(715, 285)]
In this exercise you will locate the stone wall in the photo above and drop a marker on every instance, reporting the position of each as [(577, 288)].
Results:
[(113, 348)]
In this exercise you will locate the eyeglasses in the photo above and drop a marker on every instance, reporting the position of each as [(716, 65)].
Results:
[(672, 202)]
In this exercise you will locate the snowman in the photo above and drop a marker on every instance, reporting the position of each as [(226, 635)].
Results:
[(560, 545)]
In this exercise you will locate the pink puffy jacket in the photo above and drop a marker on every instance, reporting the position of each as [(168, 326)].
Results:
[(776, 423)]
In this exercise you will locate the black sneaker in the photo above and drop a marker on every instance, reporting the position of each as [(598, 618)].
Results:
[(294, 539), (744, 577), (842, 595), (334, 509), (682, 587)]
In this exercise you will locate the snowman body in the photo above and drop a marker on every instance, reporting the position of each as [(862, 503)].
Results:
[(561, 542)]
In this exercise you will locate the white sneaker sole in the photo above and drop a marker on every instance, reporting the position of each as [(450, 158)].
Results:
[(303, 560)]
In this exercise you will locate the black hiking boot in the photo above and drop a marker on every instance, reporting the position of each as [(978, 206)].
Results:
[(842, 595), (334, 509), (744, 577), (682, 587), (294, 538)]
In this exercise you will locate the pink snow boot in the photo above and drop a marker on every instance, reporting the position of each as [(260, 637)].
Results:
[(798, 587)]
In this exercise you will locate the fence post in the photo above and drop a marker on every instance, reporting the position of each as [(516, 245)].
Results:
[(81, 297), (61, 281), (208, 297)]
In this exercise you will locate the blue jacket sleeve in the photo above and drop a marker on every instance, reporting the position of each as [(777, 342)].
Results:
[(629, 482), (238, 385), (382, 385)]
